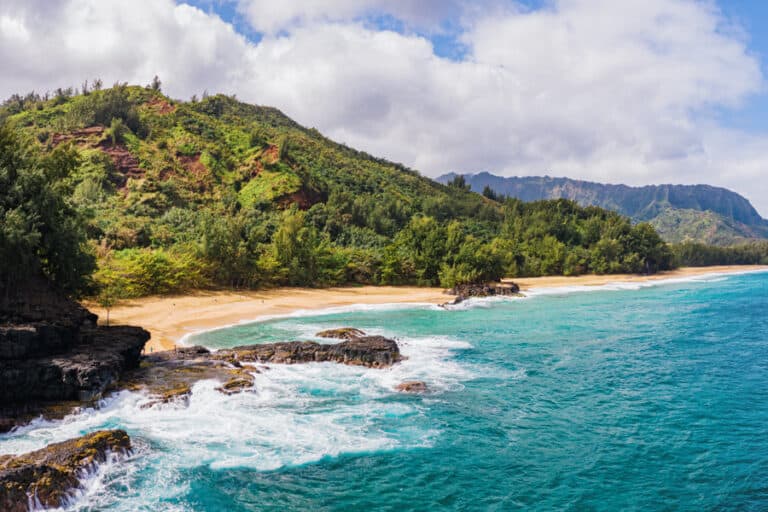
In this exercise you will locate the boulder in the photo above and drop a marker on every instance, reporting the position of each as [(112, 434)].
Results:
[(342, 333), (83, 372), (412, 386), (237, 384), (49, 477)]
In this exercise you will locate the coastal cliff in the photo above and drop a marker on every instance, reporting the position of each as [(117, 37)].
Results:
[(51, 351)]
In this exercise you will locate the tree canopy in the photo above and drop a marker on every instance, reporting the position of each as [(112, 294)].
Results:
[(40, 230)]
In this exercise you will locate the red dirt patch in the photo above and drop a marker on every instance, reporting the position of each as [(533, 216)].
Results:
[(82, 137), (257, 169), (125, 163), (193, 165), (303, 198), (199, 173), (160, 106), (271, 154), (166, 174)]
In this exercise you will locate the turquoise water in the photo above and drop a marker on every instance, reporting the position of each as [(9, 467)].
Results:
[(618, 399)]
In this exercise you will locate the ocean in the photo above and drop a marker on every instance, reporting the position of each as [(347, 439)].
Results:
[(623, 397)]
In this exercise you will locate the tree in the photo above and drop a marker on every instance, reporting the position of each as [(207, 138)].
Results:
[(116, 130), (155, 84), (113, 287), (40, 231), (490, 193), (459, 182)]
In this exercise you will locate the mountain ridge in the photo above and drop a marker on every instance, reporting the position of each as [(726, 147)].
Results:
[(703, 213)]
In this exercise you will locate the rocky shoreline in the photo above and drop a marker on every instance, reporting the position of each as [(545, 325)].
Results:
[(54, 358), (52, 352), (169, 375)]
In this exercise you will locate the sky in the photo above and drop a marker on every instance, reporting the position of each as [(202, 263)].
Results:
[(630, 91)]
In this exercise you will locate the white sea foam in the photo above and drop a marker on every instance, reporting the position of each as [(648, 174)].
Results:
[(479, 302), (296, 414)]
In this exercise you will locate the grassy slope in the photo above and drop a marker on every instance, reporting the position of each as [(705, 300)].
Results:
[(215, 150)]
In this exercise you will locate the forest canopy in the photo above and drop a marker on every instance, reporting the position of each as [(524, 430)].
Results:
[(40, 230)]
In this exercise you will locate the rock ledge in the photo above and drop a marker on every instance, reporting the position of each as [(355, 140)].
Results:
[(49, 477)]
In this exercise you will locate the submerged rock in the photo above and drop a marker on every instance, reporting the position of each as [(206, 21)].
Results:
[(412, 386), (168, 376), (48, 477), (237, 384), (342, 333)]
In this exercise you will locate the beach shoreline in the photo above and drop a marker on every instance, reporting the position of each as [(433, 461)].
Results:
[(171, 318)]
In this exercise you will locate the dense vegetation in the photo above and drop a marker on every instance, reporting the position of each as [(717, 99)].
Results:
[(215, 192), (693, 254), (698, 213), (39, 229)]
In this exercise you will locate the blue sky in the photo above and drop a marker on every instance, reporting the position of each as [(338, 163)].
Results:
[(752, 15)]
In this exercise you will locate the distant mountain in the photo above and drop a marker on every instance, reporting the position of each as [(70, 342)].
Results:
[(679, 212)]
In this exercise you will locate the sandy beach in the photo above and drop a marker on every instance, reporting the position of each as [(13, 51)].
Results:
[(170, 318)]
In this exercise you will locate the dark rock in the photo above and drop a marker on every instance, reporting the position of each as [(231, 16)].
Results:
[(169, 375), (371, 351), (19, 341), (240, 382), (35, 301), (51, 351), (466, 291), (83, 372), (48, 477), (412, 386), (342, 333)]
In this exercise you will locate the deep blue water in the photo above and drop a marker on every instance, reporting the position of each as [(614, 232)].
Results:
[(642, 399)]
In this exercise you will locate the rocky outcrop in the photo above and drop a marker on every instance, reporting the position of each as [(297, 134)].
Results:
[(371, 351), (169, 376), (466, 291), (81, 372), (52, 351), (49, 477), (412, 386), (342, 333)]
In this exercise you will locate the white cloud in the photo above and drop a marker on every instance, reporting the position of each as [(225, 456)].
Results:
[(271, 17), (595, 89), (74, 40)]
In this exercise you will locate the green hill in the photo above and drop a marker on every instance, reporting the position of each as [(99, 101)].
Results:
[(216, 192), (697, 213)]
